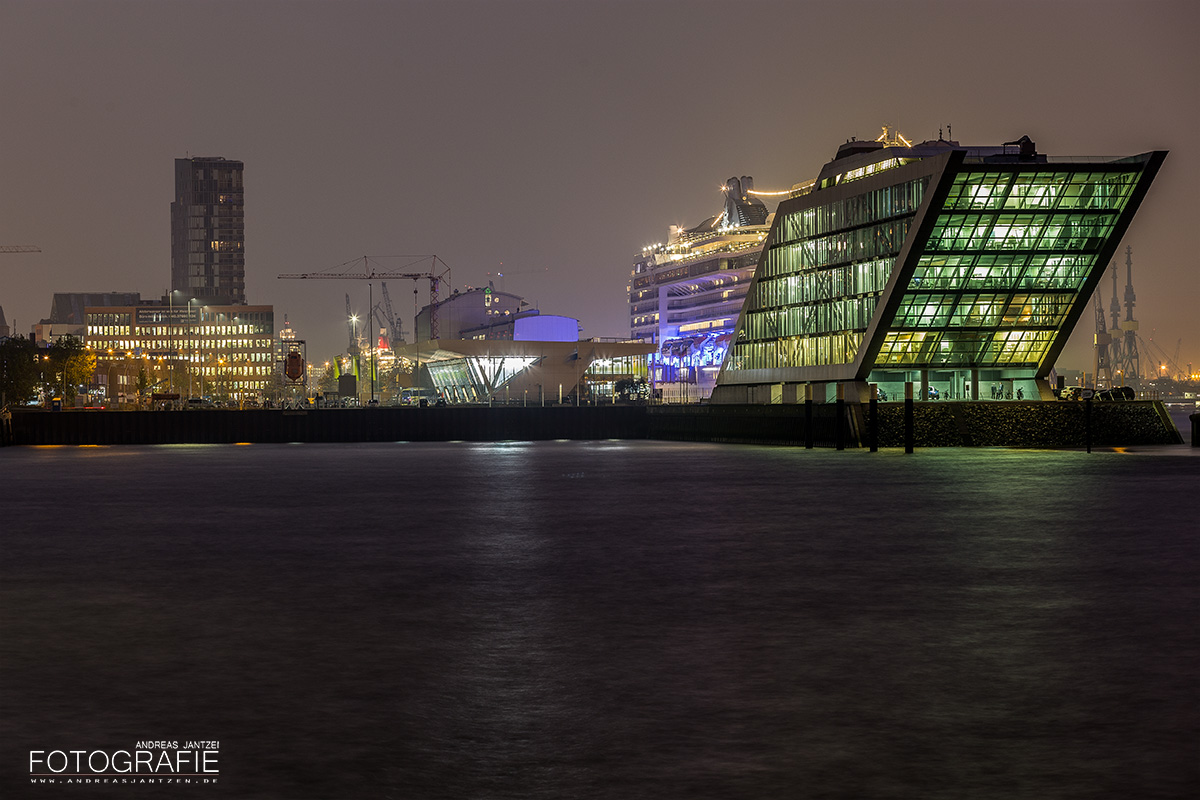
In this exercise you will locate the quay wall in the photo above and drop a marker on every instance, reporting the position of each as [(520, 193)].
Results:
[(217, 426), (935, 424), (1028, 423)]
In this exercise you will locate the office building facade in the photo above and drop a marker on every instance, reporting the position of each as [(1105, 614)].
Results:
[(950, 267), (225, 352), (208, 231)]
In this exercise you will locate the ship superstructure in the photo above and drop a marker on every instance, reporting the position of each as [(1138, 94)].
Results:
[(685, 294)]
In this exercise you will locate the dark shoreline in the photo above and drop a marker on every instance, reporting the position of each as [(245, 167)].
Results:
[(936, 424)]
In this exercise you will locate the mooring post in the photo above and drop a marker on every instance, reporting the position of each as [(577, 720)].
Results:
[(840, 435), (873, 419), (1195, 418), (808, 428), (908, 416)]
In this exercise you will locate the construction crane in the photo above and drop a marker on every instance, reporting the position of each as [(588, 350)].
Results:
[(376, 315), (371, 270), (19, 248), (383, 314), (389, 327), (395, 335)]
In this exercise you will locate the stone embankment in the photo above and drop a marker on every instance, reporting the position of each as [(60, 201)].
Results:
[(935, 424)]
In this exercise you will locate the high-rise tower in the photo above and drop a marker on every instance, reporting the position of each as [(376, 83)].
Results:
[(208, 231)]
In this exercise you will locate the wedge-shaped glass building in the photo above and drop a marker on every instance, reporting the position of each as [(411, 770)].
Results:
[(962, 270)]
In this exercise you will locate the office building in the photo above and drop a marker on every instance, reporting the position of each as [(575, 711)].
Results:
[(208, 231), (950, 267), (68, 307), (67, 313), (224, 352)]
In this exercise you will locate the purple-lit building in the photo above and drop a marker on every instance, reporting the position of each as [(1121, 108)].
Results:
[(494, 348), (477, 313)]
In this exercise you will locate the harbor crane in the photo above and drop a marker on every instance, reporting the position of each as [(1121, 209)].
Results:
[(393, 322), (377, 316), (368, 268), (1177, 372), (1101, 367), (1128, 360)]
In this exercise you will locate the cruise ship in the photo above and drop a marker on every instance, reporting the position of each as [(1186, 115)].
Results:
[(685, 294)]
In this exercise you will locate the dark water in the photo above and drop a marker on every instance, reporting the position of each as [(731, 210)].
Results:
[(607, 619)]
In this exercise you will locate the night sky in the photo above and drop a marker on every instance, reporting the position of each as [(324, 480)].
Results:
[(549, 140)]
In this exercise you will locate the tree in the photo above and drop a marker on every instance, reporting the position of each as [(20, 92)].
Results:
[(143, 381), (177, 376), (72, 364), (221, 380), (328, 381), (632, 389), (18, 370)]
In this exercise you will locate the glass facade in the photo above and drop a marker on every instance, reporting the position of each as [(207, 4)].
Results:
[(821, 277), (208, 230), (972, 264), (474, 378), (1007, 257), (229, 348)]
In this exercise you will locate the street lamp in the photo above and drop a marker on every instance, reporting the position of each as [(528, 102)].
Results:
[(371, 340), (203, 355), (170, 336), (355, 363), (191, 346)]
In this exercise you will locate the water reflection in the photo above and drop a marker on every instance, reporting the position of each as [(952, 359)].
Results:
[(610, 619)]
